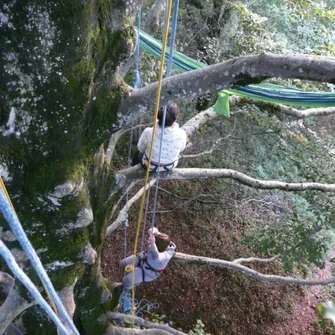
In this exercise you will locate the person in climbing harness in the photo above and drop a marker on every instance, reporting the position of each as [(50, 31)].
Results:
[(151, 263), (174, 142)]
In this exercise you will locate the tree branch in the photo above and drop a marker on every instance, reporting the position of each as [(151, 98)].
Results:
[(124, 211), (195, 173), (205, 261), (255, 259), (239, 71), (143, 323), (114, 139), (297, 113)]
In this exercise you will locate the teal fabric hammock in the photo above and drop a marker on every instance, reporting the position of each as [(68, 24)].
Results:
[(263, 92)]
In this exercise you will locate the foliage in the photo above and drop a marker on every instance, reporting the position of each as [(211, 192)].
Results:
[(198, 329), (298, 236)]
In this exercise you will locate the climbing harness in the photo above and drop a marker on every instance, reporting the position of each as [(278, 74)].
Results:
[(158, 165), (10, 215)]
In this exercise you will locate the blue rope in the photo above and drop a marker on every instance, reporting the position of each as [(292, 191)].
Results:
[(168, 73), (125, 301), (24, 279), (19, 233), (137, 83)]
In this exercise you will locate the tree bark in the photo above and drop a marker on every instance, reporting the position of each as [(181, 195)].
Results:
[(137, 172), (205, 261), (239, 71), (59, 100)]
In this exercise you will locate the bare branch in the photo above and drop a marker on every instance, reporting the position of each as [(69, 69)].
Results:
[(255, 259), (235, 72), (187, 201), (297, 113), (195, 173), (124, 211), (114, 139), (116, 205), (205, 261), (198, 120), (215, 144), (143, 323), (207, 152), (303, 114)]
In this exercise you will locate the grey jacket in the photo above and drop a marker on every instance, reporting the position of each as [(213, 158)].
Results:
[(157, 260)]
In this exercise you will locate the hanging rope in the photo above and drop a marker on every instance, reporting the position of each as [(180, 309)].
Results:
[(24, 279), (159, 88), (137, 84), (11, 217), (3, 188), (168, 74)]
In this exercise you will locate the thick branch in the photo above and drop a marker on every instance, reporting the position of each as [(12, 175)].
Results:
[(182, 174), (205, 261), (239, 71), (255, 259), (143, 323), (114, 139), (124, 211)]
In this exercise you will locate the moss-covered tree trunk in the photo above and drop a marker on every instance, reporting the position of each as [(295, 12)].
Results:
[(59, 96)]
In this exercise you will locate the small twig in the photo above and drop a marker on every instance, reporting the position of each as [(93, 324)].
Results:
[(255, 259), (215, 144), (124, 211)]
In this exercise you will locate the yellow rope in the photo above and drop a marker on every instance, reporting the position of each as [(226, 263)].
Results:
[(159, 89), (3, 187)]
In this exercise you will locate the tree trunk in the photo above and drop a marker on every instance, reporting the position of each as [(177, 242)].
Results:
[(58, 100)]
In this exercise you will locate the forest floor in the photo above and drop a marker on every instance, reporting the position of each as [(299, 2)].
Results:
[(225, 301), (206, 218)]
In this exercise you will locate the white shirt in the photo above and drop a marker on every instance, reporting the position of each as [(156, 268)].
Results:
[(174, 141)]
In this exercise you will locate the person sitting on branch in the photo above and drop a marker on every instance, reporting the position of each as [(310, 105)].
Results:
[(150, 263), (173, 143)]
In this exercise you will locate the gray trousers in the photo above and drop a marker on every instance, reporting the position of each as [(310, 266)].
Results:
[(127, 280)]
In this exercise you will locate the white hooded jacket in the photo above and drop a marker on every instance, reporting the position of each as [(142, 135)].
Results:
[(174, 142)]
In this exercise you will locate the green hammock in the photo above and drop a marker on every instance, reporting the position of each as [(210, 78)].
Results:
[(264, 91)]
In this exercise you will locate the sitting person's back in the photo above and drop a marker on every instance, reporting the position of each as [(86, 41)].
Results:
[(174, 141)]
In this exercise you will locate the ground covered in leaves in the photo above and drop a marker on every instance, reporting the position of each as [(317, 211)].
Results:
[(225, 301), (211, 218)]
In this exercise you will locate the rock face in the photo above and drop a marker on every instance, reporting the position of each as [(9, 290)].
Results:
[(58, 102)]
